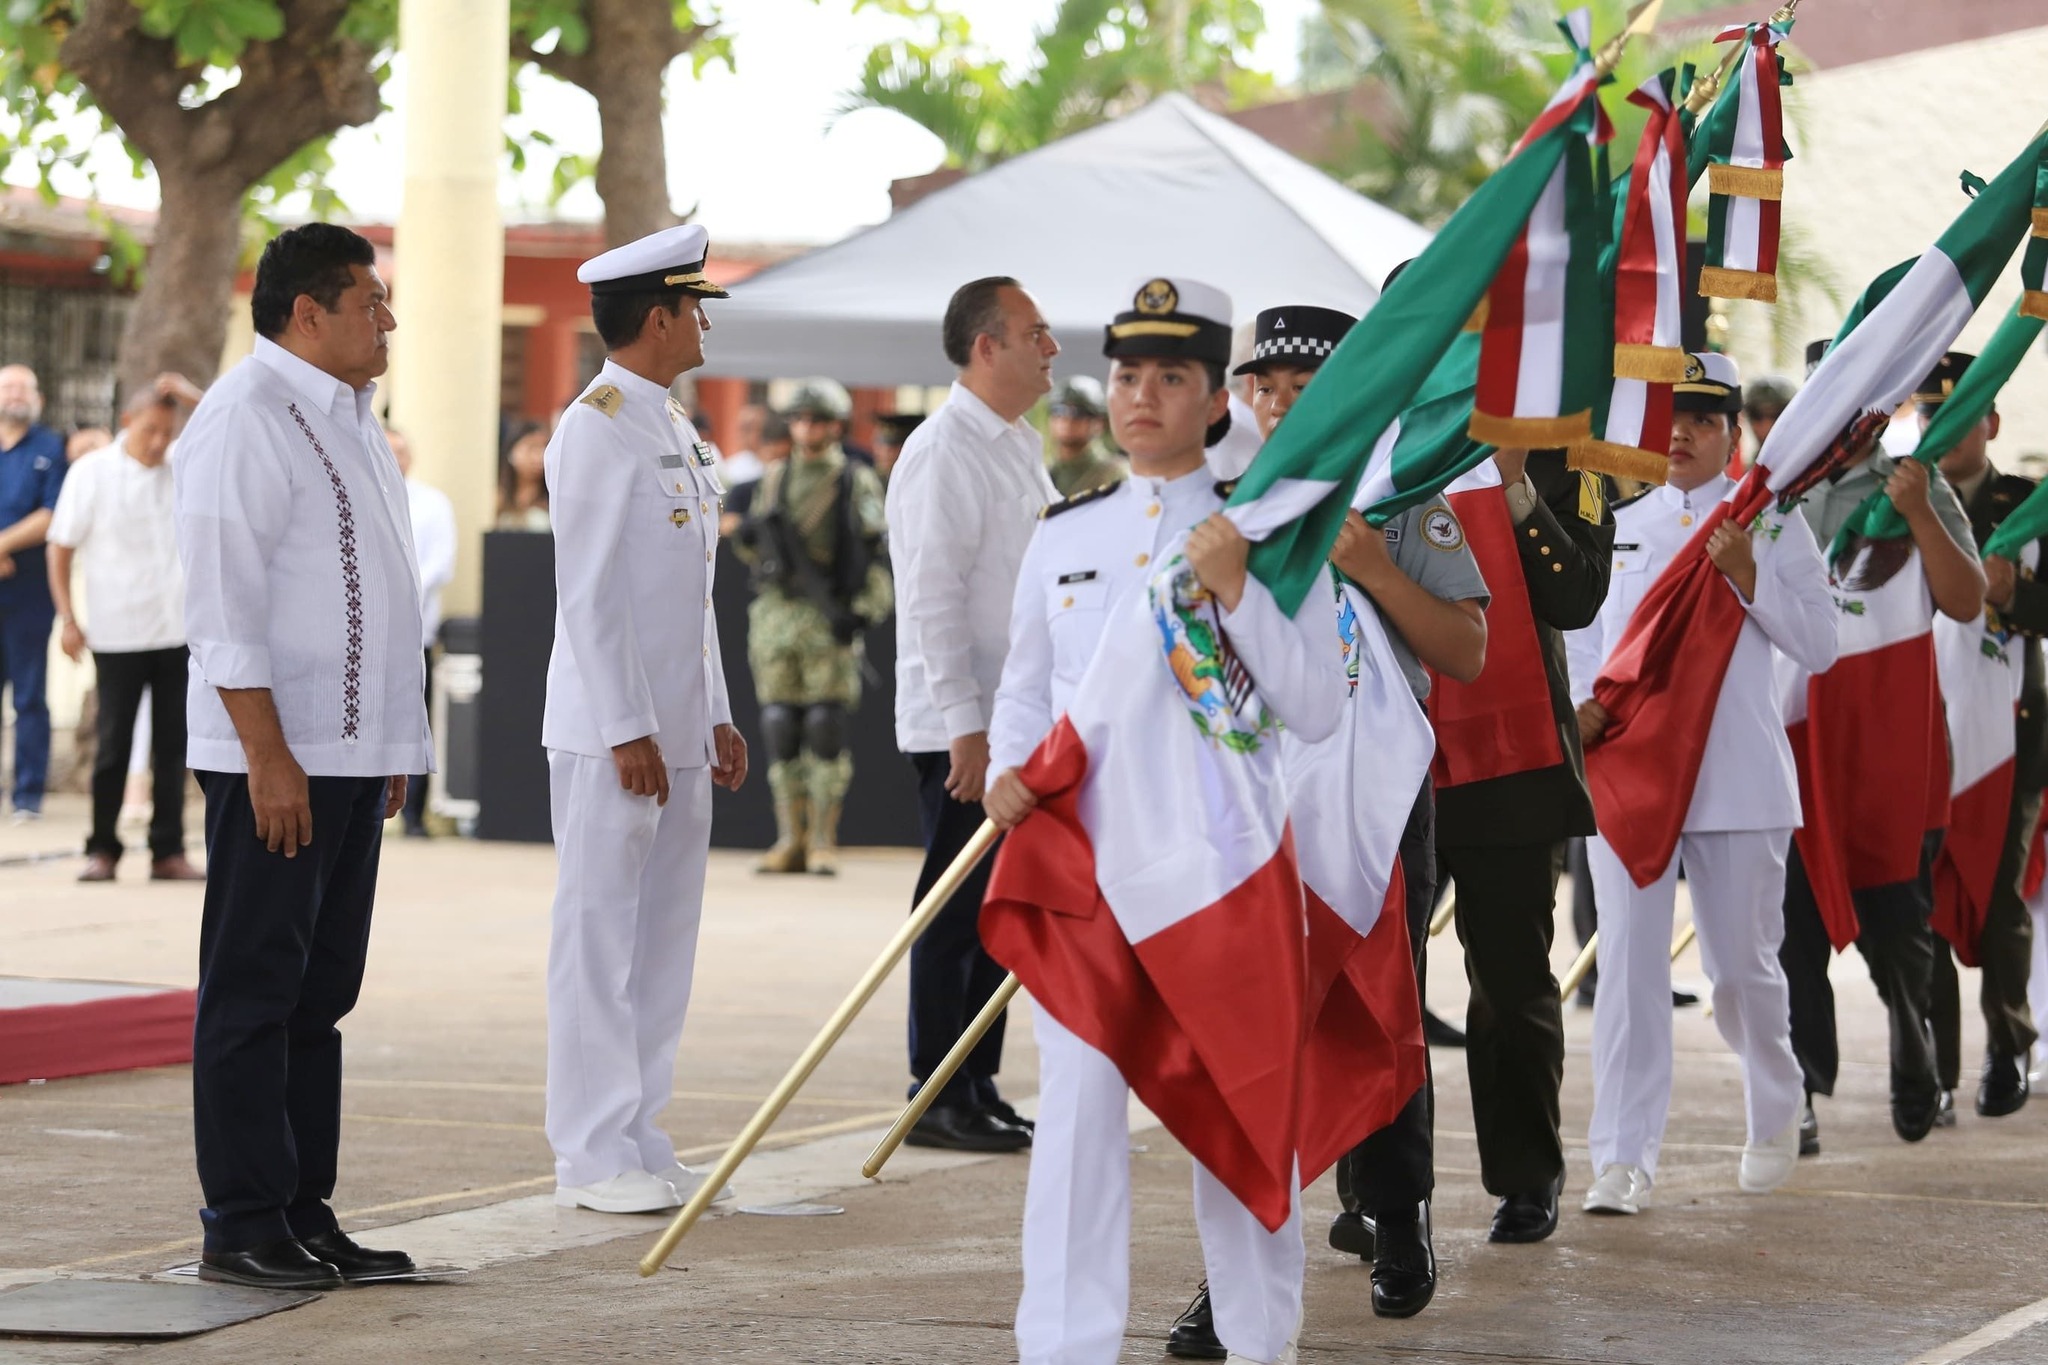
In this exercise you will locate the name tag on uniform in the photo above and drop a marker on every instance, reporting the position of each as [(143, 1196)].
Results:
[(1085, 576), (672, 461), (705, 459), (1393, 534), (1620, 546)]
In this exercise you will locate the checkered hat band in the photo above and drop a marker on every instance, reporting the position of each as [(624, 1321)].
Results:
[(1294, 345)]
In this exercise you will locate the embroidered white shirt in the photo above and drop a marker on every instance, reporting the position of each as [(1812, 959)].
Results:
[(116, 514), (299, 572), (963, 501)]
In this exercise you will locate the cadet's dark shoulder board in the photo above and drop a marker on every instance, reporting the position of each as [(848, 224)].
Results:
[(1078, 500), (1225, 487), (2010, 490), (1631, 500)]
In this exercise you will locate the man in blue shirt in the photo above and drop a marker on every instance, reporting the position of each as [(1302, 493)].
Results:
[(31, 471)]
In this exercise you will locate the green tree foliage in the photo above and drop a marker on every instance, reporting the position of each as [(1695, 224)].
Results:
[(1095, 59)]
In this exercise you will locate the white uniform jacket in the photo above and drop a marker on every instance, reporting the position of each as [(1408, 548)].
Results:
[(1088, 557), (1746, 780), (635, 507)]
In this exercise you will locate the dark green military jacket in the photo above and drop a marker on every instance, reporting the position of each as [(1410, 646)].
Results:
[(1567, 551), (2027, 613)]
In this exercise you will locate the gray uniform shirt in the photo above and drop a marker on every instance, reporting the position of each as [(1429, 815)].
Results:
[(1830, 505), (1427, 543)]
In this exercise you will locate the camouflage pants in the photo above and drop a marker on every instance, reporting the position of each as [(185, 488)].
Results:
[(796, 662)]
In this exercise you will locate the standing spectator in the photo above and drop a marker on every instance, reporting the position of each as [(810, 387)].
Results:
[(302, 606), (1077, 418), (32, 466), (744, 465), (433, 545), (85, 441), (522, 480), (115, 515), (1762, 402), (962, 507), (892, 430)]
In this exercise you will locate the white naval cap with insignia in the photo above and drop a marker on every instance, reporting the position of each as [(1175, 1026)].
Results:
[(672, 258), (1712, 383), (1172, 317)]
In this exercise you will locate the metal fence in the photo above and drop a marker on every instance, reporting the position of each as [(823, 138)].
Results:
[(69, 337)]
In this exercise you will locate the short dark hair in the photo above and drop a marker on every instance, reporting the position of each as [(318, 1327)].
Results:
[(976, 310), (315, 259), (621, 317)]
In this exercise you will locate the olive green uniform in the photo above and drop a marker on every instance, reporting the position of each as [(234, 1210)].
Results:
[(1095, 469)]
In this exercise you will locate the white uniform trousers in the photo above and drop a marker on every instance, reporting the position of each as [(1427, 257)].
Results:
[(1737, 881), (628, 897), (1077, 1226)]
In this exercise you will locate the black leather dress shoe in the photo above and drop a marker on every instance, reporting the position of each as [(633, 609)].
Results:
[(1351, 1233), (1437, 1033), (1914, 1116), (1527, 1217), (1194, 1332), (1001, 1112), (2004, 1088), (274, 1265), (1945, 1110), (354, 1262), (1404, 1265), (1683, 1000), (958, 1128), (1809, 1130)]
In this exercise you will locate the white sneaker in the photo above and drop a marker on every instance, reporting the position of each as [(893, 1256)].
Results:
[(632, 1192), (24, 816), (1768, 1164), (1621, 1188), (686, 1182)]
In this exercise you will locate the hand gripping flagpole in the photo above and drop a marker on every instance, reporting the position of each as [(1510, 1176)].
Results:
[(934, 1083), (842, 1018)]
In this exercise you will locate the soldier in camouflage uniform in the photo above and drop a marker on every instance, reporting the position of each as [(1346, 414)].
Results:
[(814, 536), (1079, 459)]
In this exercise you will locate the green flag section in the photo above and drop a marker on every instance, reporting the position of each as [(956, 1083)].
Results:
[(1299, 487), (1978, 244)]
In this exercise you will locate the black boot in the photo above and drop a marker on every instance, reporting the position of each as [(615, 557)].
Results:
[(2004, 1087), (1403, 1266), (1194, 1332)]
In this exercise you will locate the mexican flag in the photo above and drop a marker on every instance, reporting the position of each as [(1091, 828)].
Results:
[(1153, 902), (1661, 680)]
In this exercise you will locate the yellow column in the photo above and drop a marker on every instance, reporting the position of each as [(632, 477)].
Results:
[(450, 264)]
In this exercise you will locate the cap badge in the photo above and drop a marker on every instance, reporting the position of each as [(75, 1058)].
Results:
[(1695, 371), (1158, 296), (1280, 323)]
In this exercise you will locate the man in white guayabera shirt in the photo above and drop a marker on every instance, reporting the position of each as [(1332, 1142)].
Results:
[(305, 709), (962, 504)]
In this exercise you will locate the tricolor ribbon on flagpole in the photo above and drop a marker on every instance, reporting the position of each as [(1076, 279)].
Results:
[(1746, 173), (2034, 303), (1540, 321), (1649, 356)]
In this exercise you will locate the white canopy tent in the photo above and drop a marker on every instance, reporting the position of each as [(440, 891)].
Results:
[(1168, 190)]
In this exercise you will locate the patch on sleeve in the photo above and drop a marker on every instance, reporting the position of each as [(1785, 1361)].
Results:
[(1592, 497), (1441, 529), (606, 398)]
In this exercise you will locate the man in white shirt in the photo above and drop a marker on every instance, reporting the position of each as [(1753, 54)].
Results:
[(962, 504), (115, 516), (638, 727), (433, 541), (302, 611)]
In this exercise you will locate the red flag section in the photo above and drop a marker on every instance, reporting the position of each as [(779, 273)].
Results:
[(1966, 873)]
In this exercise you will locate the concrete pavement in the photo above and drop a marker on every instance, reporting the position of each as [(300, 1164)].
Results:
[(1877, 1252)]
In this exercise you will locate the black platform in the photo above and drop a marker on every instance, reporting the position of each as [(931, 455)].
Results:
[(518, 633)]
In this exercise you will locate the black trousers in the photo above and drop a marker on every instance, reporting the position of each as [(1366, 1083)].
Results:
[(1514, 1025), (2005, 950), (1893, 936), (1395, 1169), (281, 948), (415, 811), (121, 679), (951, 974)]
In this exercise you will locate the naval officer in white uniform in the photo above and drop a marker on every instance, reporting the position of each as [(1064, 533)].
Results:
[(1167, 405), (1744, 807), (637, 727)]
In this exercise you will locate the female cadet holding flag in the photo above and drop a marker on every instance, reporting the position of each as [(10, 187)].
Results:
[(1167, 404)]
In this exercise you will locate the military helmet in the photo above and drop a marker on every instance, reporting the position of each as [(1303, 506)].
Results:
[(824, 398), (1079, 395)]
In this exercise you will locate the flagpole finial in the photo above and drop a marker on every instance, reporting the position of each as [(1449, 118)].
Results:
[(1642, 19), (1785, 12), (1706, 89)]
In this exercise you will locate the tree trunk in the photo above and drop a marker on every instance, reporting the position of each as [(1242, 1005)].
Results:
[(631, 45), (179, 320)]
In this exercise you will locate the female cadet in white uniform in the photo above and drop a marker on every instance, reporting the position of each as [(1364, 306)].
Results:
[(637, 727), (1736, 831), (1089, 552)]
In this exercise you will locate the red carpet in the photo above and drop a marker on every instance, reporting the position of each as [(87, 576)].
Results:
[(90, 1027)]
